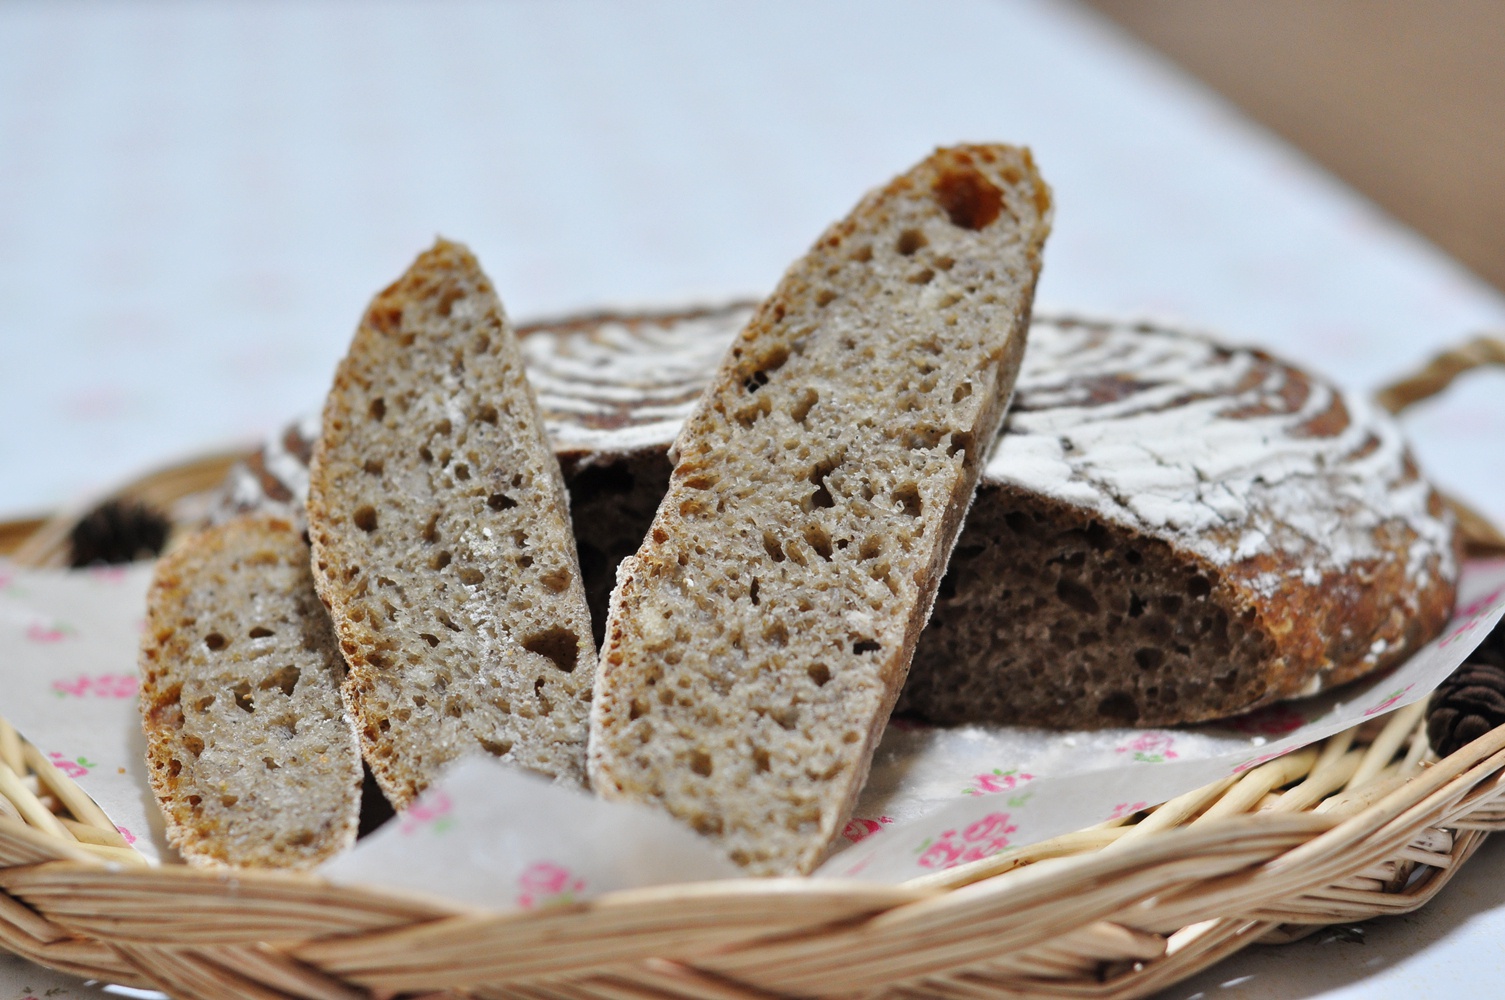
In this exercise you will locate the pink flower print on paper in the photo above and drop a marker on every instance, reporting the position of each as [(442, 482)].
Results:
[(1254, 762), (544, 883), (54, 632), (1272, 720), (1127, 809), (432, 812), (75, 767), (996, 781), (1151, 748), (101, 686), (107, 574), (1471, 617), (1389, 702), (130, 838), (982, 839), (860, 829), (8, 585)]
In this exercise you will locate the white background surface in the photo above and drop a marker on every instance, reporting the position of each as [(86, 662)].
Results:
[(196, 201)]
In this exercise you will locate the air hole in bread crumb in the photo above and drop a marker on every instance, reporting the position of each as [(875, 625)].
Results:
[(970, 199), (286, 678), (497, 748), (557, 580), (242, 692), (425, 454), (700, 763), (850, 736), (561, 646), (203, 703), (819, 673), (772, 547), (500, 501), (470, 576), (1149, 658), (440, 561), (944, 263), (923, 277), (486, 414), (378, 408), (1198, 586), (193, 745), (1119, 707), (637, 710), (776, 633), (910, 241), (365, 518), (228, 801), (1076, 597), (819, 540), (214, 642), (443, 428), (194, 801), (865, 646), (760, 760), (803, 405), (174, 768), (825, 297), (431, 639), (908, 497), (462, 472), (752, 593), (962, 392)]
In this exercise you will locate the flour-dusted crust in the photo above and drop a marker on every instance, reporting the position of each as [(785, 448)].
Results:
[(441, 540), (251, 754), (757, 640), (1172, 530)]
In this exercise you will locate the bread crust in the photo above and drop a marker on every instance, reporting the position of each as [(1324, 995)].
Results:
[(757, 640), (441, 540), (251, 754)]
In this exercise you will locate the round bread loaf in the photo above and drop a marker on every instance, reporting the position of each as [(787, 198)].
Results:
[(1169, 529)]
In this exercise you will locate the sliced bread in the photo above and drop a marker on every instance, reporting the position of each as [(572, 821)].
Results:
[(441, 540), (757, 640), (252, 756)]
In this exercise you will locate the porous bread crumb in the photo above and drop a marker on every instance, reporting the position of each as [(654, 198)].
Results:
[(757, 640), (251, 754), (441, 540)]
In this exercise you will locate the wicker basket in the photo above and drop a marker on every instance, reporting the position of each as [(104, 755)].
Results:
[(1362, 825)]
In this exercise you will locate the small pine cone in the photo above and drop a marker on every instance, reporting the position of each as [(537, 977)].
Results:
[(1467, 705), (117, 531)]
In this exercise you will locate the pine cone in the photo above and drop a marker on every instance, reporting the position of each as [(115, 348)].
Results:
[(117, 531), (1472, 701)]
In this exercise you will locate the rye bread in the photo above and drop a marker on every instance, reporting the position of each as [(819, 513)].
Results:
[(615, 388), (252, 756), (441, 540), (757, 640)]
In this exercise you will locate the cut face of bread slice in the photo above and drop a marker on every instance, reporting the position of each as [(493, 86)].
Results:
[(252, 756), (758, 639), (441, 540)]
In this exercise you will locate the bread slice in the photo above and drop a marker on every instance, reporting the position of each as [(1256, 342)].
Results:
[(252, 756), (759, 637), (441, 540)]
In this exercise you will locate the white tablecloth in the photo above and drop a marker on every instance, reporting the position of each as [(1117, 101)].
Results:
[(196, 201)]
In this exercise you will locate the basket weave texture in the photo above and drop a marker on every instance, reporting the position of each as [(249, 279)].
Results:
[(1364, 824)]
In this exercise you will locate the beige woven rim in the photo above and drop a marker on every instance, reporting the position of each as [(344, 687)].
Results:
[(1362, 825)]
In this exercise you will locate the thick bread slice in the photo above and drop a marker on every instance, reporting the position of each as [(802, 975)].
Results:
[(441, 540), (252, 756), (758, 639)]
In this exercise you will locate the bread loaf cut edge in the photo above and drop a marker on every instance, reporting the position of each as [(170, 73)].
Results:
[(606, 764), (179, 577), (401, 780)]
